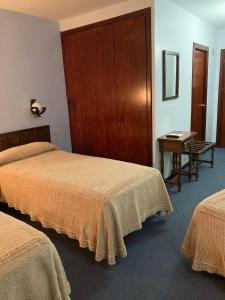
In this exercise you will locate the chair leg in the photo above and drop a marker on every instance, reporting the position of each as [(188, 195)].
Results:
[(197, 168), (179, 172), (190, 167)]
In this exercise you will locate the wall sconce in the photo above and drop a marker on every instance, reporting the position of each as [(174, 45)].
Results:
[(36, 108)]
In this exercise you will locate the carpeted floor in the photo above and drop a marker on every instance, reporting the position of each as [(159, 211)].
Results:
[(154, 267)]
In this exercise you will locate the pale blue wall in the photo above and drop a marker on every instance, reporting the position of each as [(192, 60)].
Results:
[(31, 67), (176, 30)]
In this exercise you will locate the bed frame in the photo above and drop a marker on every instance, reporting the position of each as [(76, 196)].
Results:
[(24, 136)]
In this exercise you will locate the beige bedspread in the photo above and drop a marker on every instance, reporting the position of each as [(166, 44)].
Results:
[(204, 242), (30, 267), (94, 200)]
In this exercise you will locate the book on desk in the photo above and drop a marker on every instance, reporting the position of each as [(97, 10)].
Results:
[(174, 135)]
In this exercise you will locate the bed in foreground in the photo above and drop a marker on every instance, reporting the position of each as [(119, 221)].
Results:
[(30, 267), (94, 200), (204, 242)]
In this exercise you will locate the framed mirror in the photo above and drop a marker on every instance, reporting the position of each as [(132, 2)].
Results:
[(170, 75)]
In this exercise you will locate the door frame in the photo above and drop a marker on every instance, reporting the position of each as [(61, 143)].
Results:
[(220, 101), (148, 26), (197, 46)]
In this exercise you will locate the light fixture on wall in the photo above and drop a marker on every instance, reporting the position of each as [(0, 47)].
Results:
[(36, 108)]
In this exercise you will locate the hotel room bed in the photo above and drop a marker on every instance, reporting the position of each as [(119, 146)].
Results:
[(94, 200), (30, 267), (204, 241)]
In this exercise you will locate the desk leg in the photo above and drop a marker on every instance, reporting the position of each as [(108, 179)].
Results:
[(162, 164), (174, 164)]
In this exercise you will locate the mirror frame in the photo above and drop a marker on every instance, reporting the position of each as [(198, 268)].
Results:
[(177, 55)]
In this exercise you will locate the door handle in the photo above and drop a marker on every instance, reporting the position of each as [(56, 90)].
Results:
[(201, 105)]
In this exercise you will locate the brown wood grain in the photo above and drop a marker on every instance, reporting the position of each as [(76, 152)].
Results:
[(91, 91), (108, 78), (24, 136), (199, 90), (131, 81), (221, 104)]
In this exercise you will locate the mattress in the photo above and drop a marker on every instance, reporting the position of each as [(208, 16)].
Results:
[(30, 267), (204, 241), (95, 200)]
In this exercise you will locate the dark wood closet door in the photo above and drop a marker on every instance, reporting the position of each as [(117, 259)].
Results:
[(131, 80), (107, 69), (91, 91), (221, 104), (199, 90)]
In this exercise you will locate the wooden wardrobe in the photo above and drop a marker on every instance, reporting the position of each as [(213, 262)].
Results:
[(107, 70)]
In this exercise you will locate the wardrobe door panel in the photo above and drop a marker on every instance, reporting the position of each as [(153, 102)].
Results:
[(91, 91), (131, 81)]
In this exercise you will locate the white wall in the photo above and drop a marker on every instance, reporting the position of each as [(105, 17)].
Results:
[(176, 30), (220, 41), (31, 67)]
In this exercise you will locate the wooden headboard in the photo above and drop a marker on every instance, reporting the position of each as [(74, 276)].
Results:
[(24, 136)]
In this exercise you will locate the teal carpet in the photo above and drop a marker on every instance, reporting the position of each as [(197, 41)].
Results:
[(154, 268)]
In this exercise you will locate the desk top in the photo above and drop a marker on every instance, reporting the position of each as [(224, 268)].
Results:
[(186, 135)]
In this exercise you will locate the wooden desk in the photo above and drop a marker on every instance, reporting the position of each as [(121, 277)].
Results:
[(177, 147)]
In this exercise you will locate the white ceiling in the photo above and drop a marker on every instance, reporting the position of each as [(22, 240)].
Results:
[(56, 10), (211, 11)]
